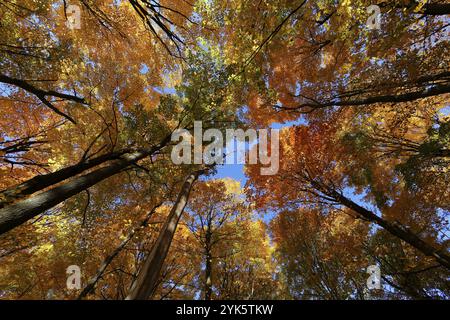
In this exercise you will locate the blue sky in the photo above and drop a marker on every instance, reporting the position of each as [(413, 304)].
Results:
[(236, 171)]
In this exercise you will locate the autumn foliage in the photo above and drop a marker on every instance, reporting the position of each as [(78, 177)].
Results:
[(86, 174)]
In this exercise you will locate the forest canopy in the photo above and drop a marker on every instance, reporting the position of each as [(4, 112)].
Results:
[(352, 97)]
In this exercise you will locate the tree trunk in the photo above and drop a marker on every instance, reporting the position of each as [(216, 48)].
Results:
[(20, 212), (397, 230), (208, 262), (93, 281), (147, 279), (38, 183)]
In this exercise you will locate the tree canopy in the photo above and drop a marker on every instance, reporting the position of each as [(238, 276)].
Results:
[(92, 91)]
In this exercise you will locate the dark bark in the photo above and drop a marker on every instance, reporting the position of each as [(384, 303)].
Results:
[(436, 9), (208, 274), (445, 153), (147, 279), (388, 98), (15, 214), (432, 9), (397, 230), (41, 182), (208, 262), (43, 94)]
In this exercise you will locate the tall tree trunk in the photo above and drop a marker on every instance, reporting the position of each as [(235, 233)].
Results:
[(147, 279), (397, 230), (23, 210), (41, 182), (208, 262), (107, 261)]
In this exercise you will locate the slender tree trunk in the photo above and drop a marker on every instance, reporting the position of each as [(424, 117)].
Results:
[(208, 262), (409, 282), (107, 261), (397, 230), (23, 210), (148, 276), (208, 274)]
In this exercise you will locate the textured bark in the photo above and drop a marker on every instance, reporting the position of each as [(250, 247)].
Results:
[(147, 279), (208, 273), (23, 210), (389, 98), (39, 183), (397, 230), (208, 257), (433, 9), (426, 86)]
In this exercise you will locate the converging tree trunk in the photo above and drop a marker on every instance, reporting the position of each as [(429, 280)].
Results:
[(208, 258), (89, 288), (329, 193), (148, 276), (41, 182), (17, 213), (397, 230)]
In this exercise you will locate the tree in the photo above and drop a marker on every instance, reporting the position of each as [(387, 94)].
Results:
[(145, 284), (229, 249), (314, 170), (87, 179), (224, 233), (321, 253)]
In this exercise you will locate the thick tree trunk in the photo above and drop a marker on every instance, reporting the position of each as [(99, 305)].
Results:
[(397, 230), (107, 261), (38, 183), (21, 211), (147, 279)]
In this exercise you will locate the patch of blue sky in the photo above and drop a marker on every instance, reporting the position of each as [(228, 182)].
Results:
[(444, 215), (144, 69), (445, 110), (298, 122), (6, 90), (165, 90), (232, 168), (232, 171), (236, 171)]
